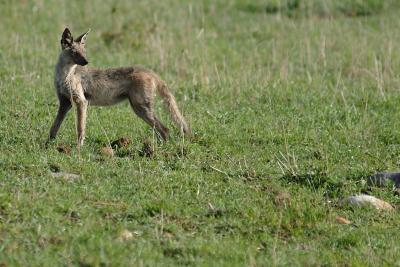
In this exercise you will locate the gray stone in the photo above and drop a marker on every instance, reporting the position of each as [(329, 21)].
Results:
[(381, 179), (364, 200), (65, 176)]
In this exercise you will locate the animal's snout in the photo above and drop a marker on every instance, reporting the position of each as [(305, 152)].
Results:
[(83, 62), (80, 59)]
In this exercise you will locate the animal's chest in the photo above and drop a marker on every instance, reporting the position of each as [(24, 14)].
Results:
[(69, 83)]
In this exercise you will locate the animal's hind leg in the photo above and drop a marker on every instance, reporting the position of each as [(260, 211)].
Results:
[(145, 111), (161, 128)]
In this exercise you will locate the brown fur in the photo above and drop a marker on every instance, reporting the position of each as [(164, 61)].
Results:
[(76, 83)]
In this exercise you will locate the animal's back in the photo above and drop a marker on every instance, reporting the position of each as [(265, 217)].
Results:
[(105, 87)]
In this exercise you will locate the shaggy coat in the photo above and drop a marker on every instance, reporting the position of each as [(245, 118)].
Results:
[(76, 83)]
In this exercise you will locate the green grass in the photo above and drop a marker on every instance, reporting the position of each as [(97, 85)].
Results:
[(290, 110)]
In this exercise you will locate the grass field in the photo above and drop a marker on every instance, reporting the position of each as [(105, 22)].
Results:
[(292, 105)]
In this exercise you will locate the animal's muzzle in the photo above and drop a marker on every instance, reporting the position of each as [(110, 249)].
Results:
[(83, 62)]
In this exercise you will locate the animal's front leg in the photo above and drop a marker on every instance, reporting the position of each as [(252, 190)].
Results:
[(65, 106), (81, 106)]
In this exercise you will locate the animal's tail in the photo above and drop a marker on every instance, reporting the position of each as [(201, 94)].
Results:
[(172, 107)]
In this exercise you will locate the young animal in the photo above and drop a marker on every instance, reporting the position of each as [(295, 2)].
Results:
[(79, 84)]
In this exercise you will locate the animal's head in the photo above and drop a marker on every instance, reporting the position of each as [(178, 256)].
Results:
[(74, 50)]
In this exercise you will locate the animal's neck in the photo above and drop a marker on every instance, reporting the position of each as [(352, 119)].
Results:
[(66, 74), (65, 68), (69, 71)]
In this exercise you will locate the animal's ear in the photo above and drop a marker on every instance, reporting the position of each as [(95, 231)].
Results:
[(82, 38), (66, 39)]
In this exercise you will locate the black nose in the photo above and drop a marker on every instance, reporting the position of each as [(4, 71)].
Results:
[(83, 62)]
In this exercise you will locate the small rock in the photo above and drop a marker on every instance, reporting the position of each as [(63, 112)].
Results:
[(63, 148), (147, 150), (42, 241), (167, 235), (107, 151), (381, 179), (214, 212), (74, 215), (137, 233), (342, 220), (282, 199), (261, 247), (125, 235), (54, 167), (122, 142), (364, 200), (65, 176), (397, 192), (182, 152), (167, 154)]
